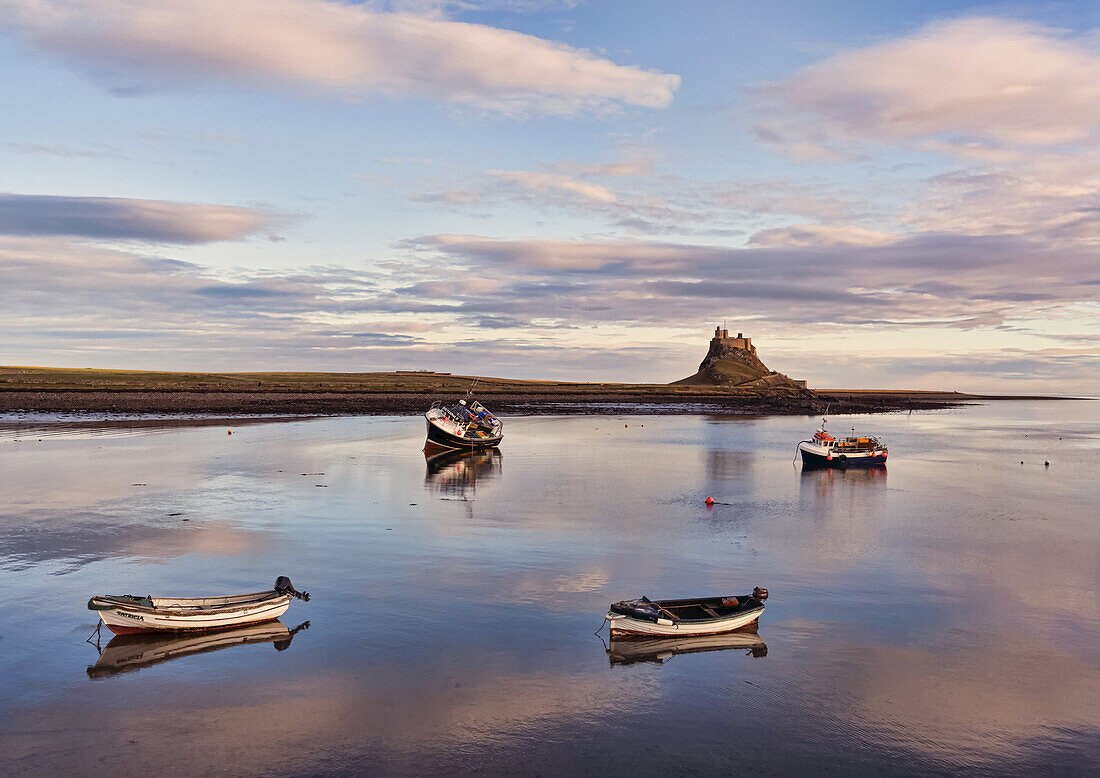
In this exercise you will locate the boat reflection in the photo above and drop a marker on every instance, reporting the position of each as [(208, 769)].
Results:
[(126, 653), (827, 477), (453, 472), (627, 651)]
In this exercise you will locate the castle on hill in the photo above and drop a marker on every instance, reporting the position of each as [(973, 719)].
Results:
[(722, 338), (733, 363)]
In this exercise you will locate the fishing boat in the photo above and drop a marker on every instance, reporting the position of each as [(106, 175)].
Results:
[(128, 653), (126, 614), (467, 425), (627, 651), (681, 618), (823, 450)]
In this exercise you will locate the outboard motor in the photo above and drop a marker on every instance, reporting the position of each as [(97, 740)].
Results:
[(759, 593), (284, 586)]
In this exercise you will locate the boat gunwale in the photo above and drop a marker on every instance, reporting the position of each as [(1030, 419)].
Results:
[(662, 604), (179, 606)]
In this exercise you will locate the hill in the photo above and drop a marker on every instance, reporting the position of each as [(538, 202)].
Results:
[(732, 363)]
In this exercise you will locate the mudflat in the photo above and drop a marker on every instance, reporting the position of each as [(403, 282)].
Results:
[(37, 389)]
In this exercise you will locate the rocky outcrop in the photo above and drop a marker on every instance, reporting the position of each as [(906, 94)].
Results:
[(728, 365)]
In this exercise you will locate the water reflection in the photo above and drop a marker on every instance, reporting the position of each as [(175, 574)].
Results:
[(729, 465), (456, 472), (37, 425), (128, 653), (627, 651), (822, 486), (453, 646), (85, 538)]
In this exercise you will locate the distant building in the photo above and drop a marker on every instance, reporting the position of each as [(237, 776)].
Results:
[(722, 336)]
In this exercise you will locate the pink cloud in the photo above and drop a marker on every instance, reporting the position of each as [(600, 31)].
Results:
[(346, 49)]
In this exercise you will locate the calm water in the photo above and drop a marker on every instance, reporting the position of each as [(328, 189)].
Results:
[(937, 618)]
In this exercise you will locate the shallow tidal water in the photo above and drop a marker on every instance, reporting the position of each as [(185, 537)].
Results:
[(936, 617)]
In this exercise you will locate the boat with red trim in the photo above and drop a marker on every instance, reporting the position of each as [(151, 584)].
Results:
[(824, 450), (467, 425)]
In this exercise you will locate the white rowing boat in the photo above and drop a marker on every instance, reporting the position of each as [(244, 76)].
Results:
[(126, 614), (681, 618)]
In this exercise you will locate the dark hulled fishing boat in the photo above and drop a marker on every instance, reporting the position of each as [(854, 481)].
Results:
[(823, 450), (467, 425)]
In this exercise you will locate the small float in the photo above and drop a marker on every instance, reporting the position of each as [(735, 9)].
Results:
[(126, 614), (823, 450), (682, 618), (659, 650), (467, 425), (128, 653)]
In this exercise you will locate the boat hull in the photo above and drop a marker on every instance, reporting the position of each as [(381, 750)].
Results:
[(624, 626), (126, 620), (811, 458), (441, 437)]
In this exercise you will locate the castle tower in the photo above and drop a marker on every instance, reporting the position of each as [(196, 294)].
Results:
[(722, 337)]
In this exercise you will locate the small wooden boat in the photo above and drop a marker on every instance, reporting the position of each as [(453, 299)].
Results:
[(680, 618), (823, 450), (627, 651), (126, 614), (127, 653), (467, 425)]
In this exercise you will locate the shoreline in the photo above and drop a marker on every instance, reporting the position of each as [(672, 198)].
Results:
[(336, 403)]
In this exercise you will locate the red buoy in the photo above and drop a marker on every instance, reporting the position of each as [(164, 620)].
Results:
[(710, 501)]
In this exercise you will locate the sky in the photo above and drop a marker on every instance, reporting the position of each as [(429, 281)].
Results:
[(882, 195)]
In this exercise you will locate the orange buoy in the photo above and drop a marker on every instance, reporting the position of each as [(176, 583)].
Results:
[(710, 501), (229, 432), (626, 425)]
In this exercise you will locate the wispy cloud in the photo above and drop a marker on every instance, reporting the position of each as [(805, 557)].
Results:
[(62, 150), (448, 302), (113, 218), (349, 50)]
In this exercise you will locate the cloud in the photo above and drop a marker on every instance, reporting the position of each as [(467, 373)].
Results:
[(948, 280), (993, 79), (552, 183), (635, 210), (344, 49), (1050, 196), (538, 308), (623, 169), (61, 150), (112, 218), (822, 235)]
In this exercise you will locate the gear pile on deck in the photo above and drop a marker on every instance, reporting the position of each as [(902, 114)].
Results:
[(467, 425)]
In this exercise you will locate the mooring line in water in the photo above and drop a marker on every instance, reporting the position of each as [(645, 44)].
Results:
[(598, 631), (95, 634)]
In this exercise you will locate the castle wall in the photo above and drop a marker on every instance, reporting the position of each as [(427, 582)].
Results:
[(722, 337)]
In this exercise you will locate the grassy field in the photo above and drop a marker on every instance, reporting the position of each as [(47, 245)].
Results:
[(13, 378)]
